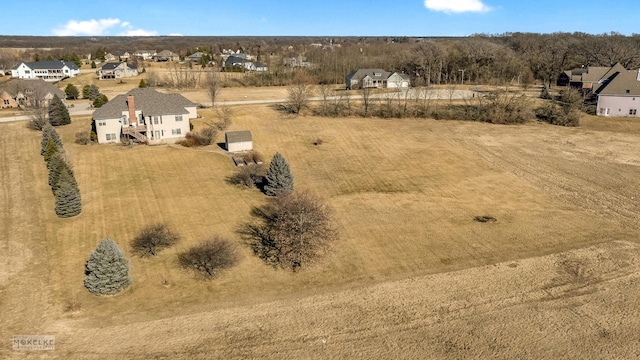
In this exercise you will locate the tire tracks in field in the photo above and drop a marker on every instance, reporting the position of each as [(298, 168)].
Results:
[(599, 186)]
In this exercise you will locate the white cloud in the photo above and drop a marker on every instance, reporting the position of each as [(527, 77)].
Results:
[(175, 34), (456, 6), (139, 32), (86, 27), (100, 27)]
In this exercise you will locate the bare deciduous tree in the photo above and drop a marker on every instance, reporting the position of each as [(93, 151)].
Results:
[(211, 86), (292, 231), (299, 92), (154, 238), (210, 257)]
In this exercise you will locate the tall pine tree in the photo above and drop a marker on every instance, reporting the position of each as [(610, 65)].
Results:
[(279, 178), (49, 132), (107, 270), (58, 113), (67, 195)]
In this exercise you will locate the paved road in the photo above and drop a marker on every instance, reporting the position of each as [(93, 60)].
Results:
[(82, 108)]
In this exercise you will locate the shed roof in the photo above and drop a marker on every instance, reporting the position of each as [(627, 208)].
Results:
[(237, 136)]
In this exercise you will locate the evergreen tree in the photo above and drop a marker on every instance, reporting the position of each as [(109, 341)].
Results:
[(50, 149), (58, 113), (93, 64), (71, 92), (100, 100), (49, 132), (279, 178), (56, 166), (107, 270), (67, 195), (94, 92), (85, 91), (143, 84)]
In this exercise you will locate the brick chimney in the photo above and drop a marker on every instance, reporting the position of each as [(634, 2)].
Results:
[(132, 109)]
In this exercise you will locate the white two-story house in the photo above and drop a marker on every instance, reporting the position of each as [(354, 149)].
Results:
[(144, 115), (46, 70)]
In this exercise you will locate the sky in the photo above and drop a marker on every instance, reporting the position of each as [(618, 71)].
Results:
[(413, 18)]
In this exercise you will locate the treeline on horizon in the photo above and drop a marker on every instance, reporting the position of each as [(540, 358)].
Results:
[(521, 58)]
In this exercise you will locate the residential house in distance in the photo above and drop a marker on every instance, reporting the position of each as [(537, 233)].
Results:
[(295, 60), (144, 115), (588, 79), (116, 70), (236, 141), (234, 63), (46, 70), (619, 95), (144, 54), (166, 55), (376, 78), (196, 56), (25, 93)]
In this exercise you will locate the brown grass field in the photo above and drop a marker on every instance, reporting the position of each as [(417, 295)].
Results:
[(412, 275)]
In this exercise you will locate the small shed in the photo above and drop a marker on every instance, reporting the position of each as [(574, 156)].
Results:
[(236, 141)]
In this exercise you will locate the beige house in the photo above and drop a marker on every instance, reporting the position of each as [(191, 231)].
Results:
[(619, 94), (236, 141), (376, 78), (144, 115), (166, 55), (26, 93), (116, 70)]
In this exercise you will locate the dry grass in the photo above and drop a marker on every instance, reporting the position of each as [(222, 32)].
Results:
[(405, 193)]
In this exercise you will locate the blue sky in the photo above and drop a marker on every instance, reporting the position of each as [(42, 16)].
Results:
[(315, 18)]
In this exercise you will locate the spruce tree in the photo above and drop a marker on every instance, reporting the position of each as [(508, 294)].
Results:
[(107, 270), (49, 132), (50, 149), (56, 165), (279, 178), (58, 113), (67, 195), (85, 91)]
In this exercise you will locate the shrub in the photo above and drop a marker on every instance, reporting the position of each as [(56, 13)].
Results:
[(142, 84), (253, 156), (152, 239), (107, 270), (210, 257), (247, 176), (203, 137), (83, 137), (279, 179), (100, 100), (292, 230)]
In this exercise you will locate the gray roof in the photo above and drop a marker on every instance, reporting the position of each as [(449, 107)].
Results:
[(50, 64), (237, 136), (376, 74), (113, 65), (622, 83), (150, 101), (165, 53), (37, 86), (234, 60)]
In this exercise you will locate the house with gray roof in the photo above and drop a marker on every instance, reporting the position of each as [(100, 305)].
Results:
[(46, 70), (28, 93), (619, 94), (144, 115), (116, 70), (376, 78), (166, 55)]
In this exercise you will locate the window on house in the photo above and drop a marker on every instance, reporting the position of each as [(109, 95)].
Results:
[(111, 136), (6, 102), (102, 123), (176, 131), (633, 111), (157, 120), (628, 91), (124, 119), (178, 117)]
